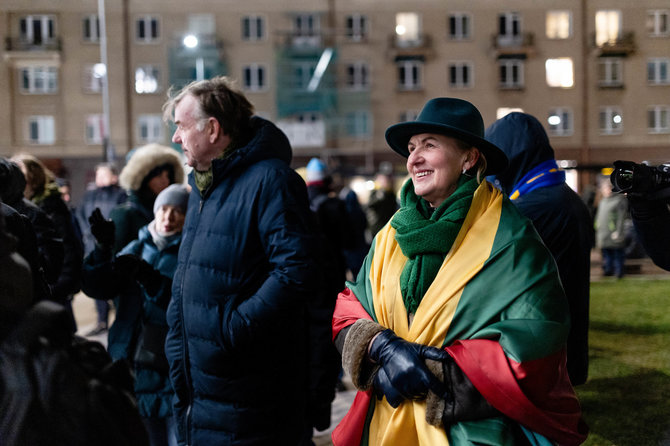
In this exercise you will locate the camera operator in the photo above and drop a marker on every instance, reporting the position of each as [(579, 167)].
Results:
[(648, 192)]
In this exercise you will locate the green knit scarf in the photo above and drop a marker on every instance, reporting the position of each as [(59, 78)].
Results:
[(203, 178), (426, 239)]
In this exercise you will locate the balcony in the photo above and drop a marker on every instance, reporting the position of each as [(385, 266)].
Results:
[(518, 46), (401, 47), (20, 44), (621, 46)]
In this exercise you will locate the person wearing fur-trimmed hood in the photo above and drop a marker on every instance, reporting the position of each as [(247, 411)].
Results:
[(148, 171)]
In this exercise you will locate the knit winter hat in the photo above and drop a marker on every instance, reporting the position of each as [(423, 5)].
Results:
[(173, 195), (316, 170)]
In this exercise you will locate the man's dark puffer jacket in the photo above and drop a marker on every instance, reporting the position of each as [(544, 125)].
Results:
[(237, 338)]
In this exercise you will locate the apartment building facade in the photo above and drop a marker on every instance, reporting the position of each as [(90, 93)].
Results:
[(335, 73)]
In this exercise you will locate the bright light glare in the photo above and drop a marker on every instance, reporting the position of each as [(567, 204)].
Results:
[(616, 119), (554, 120), (99, 70), (400, 30), (190, 41)]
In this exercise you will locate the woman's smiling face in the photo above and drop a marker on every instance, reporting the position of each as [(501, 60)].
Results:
[(435, 164)]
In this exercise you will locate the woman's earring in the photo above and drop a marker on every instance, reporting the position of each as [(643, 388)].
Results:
[(464, 169)]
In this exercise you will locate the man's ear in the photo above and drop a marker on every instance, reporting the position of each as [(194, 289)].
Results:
[(214, 129)]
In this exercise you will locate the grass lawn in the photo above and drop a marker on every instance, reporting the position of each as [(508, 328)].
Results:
[(626, 401)]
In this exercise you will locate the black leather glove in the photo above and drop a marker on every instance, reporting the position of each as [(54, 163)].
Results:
[(404, 367), (132, 266), (382, 387), (102, 229)]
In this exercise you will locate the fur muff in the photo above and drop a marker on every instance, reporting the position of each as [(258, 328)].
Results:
[(144, 160), (355, 353), (434, 404)]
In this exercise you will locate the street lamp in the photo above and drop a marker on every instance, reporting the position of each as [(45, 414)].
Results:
[(191, 41), (100, 71)]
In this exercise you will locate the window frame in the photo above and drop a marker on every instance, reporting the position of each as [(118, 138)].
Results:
[(410, 74), (92, 23), (48, 30), (357, 75), (508, 64), (148, 21), (152, 122), (610, 65), (45, 75), (660, 74), (455, 25), (45, 126), (458, 83), (658, 112), (656, 20), (357, 27), (608, 113), (561, 130), (250, 28), (258, 83), (549, 78)]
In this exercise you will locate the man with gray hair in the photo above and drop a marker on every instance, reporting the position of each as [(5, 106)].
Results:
[(238, 336)]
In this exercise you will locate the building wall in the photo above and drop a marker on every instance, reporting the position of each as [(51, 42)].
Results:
[(385, 101)]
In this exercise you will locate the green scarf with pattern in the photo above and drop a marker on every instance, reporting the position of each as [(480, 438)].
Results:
[(426, 239)]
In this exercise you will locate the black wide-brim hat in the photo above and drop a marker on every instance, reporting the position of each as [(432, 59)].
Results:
[(451, 117)]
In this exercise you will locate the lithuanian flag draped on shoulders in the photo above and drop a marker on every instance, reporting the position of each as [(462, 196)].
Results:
[(498, 308)]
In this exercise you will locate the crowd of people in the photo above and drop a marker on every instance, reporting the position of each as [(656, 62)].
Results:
[(245, 290)]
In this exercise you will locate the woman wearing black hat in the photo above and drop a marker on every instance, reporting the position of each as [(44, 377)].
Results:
[(457, 321)]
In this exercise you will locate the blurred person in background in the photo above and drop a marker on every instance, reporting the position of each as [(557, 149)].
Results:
[(538, 189), (105, 195), (148, 171), (149, 261), (42, 189), (382, 203), (610, 219)]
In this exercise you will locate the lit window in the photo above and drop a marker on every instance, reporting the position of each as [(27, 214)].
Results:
[(254, 77), (91, 28), (504, 111), (147, 79), (147, 29), (39, 80), (357, 27), (95, 125), (410, 74), (357, 76), (253, 28), (460, 26), (150, 128), (610, 72), (41, 130), (559, 24), (657, 71), (460, 74), (610, 121), (658, 23), (659, 119), (608, 27), (407, 28), (93, 78), (560, 122), (511, 73), (559, 72)]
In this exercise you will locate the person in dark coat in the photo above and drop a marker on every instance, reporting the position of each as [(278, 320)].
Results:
[(538, 189), (650, 213), (150, 260), (105, 195), (42, 190), (148, 171), (238, 327), (49, 243), (382, 203)]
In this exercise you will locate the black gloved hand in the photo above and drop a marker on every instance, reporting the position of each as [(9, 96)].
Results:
[(102, 229), (404, 367), (137, 269), (382, 387)]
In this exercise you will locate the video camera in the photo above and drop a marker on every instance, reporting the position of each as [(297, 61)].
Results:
[(632, 178)]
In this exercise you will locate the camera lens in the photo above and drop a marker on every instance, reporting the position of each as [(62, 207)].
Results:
[(623, 179)]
